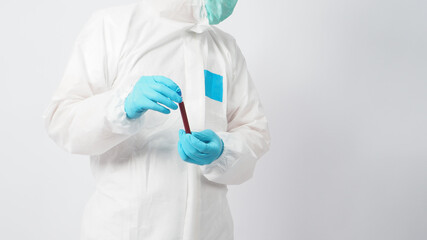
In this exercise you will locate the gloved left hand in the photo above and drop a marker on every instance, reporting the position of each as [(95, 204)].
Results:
[(200, 148)]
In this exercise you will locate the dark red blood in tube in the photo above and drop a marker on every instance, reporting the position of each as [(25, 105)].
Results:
[(184, 117)]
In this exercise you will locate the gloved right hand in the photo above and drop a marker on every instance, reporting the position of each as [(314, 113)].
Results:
[(149, 92)]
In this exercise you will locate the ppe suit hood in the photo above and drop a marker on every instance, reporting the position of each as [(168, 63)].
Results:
[(192, 11)]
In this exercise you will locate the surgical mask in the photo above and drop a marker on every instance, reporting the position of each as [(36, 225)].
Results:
[(219, 10)]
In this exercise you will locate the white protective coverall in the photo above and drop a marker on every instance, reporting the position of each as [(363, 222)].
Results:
[(144, 191)]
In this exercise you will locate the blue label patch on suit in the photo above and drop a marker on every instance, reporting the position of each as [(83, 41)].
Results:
[(213, 86)]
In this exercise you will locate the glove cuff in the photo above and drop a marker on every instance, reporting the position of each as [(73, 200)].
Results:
[(222, 149), (116, 116)]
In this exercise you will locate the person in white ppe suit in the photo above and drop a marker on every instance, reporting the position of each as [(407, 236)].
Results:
[(149, 186)]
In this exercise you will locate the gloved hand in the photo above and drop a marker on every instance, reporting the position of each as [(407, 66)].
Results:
[(200, 148), (149, 92)]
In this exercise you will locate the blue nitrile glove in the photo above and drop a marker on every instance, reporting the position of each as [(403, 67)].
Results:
[(149, 92), (200, 148)]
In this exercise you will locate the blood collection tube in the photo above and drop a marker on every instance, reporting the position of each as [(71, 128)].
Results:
[(184, 117)]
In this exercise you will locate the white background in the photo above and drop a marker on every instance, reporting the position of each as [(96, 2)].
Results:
[(344, 85)]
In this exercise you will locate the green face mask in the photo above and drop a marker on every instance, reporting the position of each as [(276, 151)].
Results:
[(219, 10)]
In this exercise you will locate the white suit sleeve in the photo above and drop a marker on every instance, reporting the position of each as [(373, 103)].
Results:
[(86, 116), (247, 137)]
